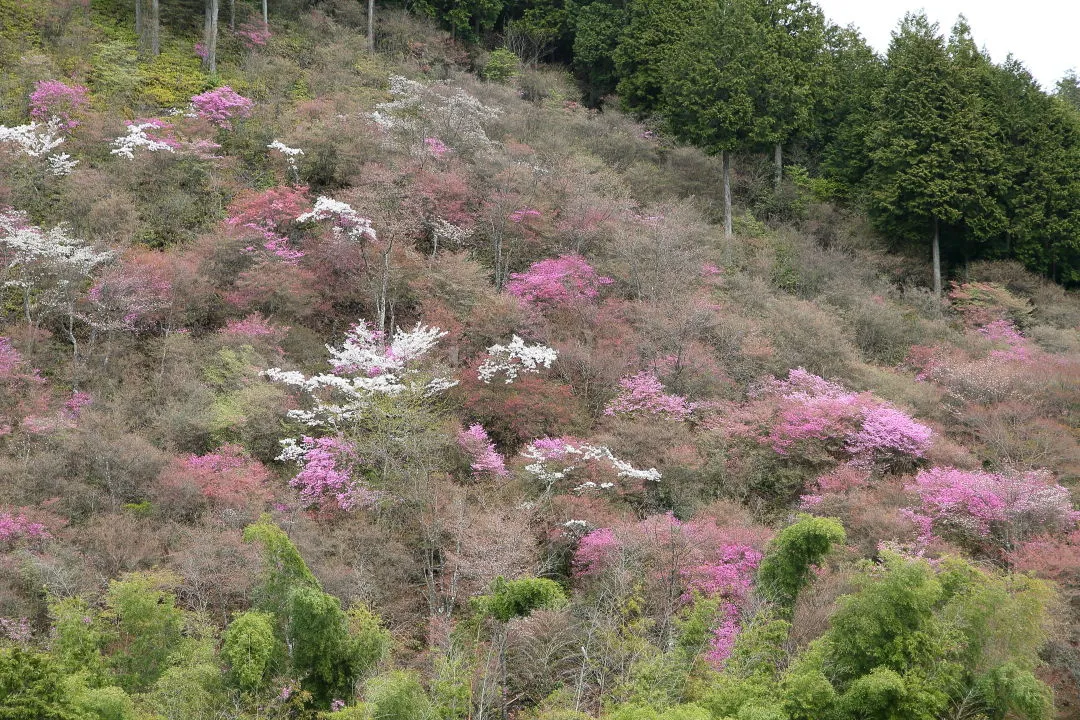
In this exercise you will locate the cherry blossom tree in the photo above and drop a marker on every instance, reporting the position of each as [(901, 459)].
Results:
[(514, 358)]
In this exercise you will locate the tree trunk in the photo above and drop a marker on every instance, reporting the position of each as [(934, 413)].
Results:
[(139, 25), (937, 259), (155, 27), (232, 14), (371, 26), (726, 160), (210, 33), (266, 13), (778, 160)]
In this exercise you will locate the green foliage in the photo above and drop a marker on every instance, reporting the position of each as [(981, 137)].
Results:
[(106, 703), (142, 626), (31, 688), (369, 639), (518, 598), (790, 557), (283, 568), (502, 65), (397, 695), (321, 647), (249, 647), (172, 78), (77, 639)]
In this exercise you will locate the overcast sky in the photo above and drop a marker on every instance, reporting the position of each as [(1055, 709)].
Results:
[(1043, 34)]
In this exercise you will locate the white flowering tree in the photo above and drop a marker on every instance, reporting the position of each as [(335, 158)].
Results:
[(508, 361), (37, 141), (373, 423), (435, 116), (47, 268)]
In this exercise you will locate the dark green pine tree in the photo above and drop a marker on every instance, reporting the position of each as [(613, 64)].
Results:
[(1068, 89), (653, 29), (935, 156), (597, 27), (708, 83), (1042, 157), (787, 72)]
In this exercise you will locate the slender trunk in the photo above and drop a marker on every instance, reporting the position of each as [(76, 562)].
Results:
[(266, 13), (726, 159), (371, 26), (155, 27), (139, 24), (937, 259), (778, 160), (210, 33), (232, 14)]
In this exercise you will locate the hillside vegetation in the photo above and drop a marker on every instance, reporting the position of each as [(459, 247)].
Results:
[(416, 383)]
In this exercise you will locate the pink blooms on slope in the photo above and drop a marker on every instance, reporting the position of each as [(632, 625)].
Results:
[(17, 528), (486, 461), (328, 477), (556, 282), (54, 99), (253, 33), (227, 477), (436, 147), (643, 393), (1003, 332), (1000, 509), (221, 105), (858, 425)]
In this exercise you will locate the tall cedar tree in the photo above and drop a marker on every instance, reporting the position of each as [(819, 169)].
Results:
[(935, 160)]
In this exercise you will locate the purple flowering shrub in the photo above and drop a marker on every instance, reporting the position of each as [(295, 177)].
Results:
[(643, 394), (557, 282), (486, 461), (221, 106), (54, 99)]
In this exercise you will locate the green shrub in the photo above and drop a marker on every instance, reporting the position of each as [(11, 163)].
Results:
[(502, 64)]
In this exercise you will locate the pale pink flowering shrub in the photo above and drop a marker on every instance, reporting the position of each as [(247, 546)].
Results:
[(17, 527), (227, 477), (221, 105), (817, 415), (643, 393), (54, 99), (75, 404), (436, 147), (330, 473), (254, 326), (1003, 332), (253, 33), (271, 214), (486, 461), (594, 551), (993, 511), (18, 631), (522, 214), (556, 282)]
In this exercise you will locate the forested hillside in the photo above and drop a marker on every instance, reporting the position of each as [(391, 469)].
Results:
[(644, 360)]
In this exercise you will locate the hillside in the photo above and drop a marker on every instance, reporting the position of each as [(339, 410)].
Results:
[(412, 384)]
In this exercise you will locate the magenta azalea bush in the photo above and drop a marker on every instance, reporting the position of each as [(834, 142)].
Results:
[(221, 106), (643, 394), (54, 99), (486, 461), (557, 282)]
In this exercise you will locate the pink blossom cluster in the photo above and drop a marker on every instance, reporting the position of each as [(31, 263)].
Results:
[(436, 147), (706, 560), (1003, 332), (557, 282), (253, 33), (1002, 509), (522, 214), (17, 527), (54, 99), (486, 461), (200, 50), (221, 105), (75, 404), (269, 214), (227, 476), (863, 428), (18, 631), (328, 475), (254, 326), (643, 393)]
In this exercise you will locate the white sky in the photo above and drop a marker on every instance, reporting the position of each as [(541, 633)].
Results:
[(1043, 34)]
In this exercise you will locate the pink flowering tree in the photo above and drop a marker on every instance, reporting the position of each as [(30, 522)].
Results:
[(270, 216), (642, 394), (16, 528), (221, 106), (991, 512), (486, 460), (54, 99), (561, 282), (227, 477), (817, 417), (253, 33), (331, 473), (22, 390), (679, 562)]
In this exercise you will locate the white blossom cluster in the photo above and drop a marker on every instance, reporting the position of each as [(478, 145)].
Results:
[(570, 456), (291, 154), (451, 114), (515, 358), (446, 232), (24, 244), (126, 145), (372, 368), (343, 214), (37, 143)]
